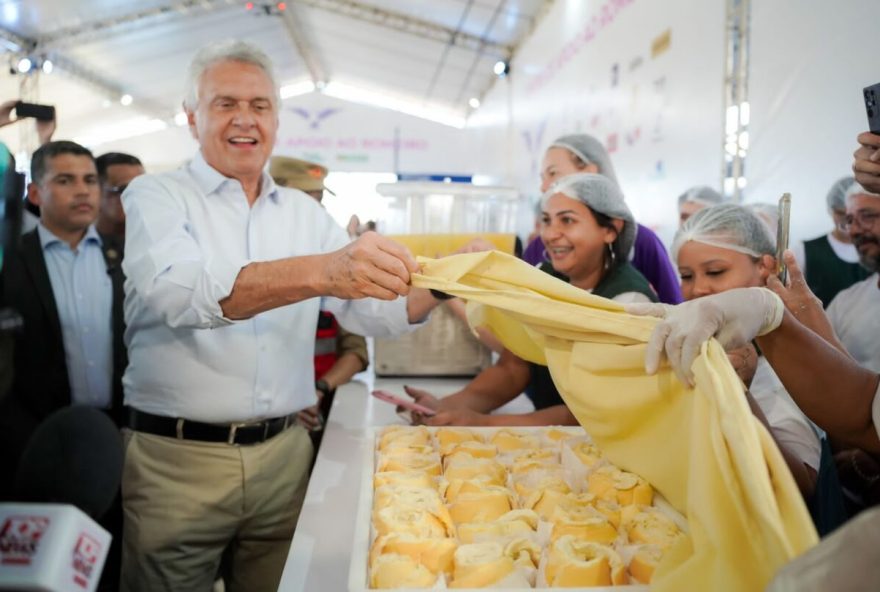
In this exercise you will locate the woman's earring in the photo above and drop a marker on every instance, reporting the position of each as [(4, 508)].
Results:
[(609, 261)]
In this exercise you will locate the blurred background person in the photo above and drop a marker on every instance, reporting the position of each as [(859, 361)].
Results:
[(115, 172), (695, 199), (830, 262)]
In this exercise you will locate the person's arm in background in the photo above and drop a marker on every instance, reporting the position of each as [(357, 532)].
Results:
[(45, 129), (866, 163), (555, 415), (802, 303), (828, 385), (490, 389), (351, 358), (486, 337)]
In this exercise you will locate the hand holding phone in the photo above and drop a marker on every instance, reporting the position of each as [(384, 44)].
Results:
[(407, 404)]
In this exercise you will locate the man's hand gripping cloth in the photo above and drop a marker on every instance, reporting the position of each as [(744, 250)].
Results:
[(701, 448)]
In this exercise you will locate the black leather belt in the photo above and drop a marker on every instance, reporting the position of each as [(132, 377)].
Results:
[(232, 433)]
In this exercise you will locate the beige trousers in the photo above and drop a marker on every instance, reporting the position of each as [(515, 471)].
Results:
[(189, 504)]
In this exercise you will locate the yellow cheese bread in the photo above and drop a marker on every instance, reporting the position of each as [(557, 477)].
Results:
[(625, 488), (485, 505), (433, 553), (572, 562), (644, 562), (585, 523), (399, 571), (513, 524)]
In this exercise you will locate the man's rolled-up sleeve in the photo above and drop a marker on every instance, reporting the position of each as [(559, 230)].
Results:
[(164, 263)]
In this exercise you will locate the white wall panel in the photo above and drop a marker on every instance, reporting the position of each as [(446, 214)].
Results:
[(590, 68), (810, 60)]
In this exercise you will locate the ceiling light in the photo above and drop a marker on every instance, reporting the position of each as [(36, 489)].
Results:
[(501, 69), (24, 65), (474, 103), (126, 100), (48, 66)]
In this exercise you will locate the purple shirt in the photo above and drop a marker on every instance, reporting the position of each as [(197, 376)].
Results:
[(649, 257)]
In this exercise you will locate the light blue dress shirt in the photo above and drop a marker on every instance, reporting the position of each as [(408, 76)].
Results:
[(188, 234), (84, 298)]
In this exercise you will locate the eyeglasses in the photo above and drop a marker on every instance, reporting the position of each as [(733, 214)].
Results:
[(864, 218), (116, 190)]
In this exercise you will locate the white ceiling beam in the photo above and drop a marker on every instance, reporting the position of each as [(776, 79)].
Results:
[(102, 27), (292, 25), (110, 88), (409, 24)]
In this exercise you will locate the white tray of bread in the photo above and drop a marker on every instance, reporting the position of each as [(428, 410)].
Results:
[(504, 508)]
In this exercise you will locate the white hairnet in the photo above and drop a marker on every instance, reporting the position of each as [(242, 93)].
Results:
[(589, 150), (701, 194), (768, 214), (601, 195), (836, 198), (728, 226)]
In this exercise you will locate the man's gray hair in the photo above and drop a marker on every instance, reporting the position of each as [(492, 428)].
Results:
[(234, 50)]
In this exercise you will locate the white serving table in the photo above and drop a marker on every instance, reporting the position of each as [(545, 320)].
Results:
[(322, 545)]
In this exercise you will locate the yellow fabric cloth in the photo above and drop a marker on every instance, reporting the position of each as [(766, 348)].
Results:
[(701, 448)]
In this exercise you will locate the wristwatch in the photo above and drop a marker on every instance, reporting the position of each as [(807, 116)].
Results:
[(323, 386)]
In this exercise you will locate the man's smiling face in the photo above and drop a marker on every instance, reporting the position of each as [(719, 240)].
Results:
[(236, 118)]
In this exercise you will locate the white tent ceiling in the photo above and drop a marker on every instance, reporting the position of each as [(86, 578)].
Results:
[(433, 53)]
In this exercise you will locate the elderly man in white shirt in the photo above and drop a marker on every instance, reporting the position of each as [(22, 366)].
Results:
[(225, 274)]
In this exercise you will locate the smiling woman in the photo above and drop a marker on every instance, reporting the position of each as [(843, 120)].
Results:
[(588, 231)]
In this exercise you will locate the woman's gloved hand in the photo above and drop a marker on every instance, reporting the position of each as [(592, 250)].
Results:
[(734, 318)]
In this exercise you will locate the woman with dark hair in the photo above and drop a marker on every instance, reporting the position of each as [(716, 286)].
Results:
[(581, 153), (588, 231)]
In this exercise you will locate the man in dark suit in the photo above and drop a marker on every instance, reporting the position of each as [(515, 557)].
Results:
[(66, 282)]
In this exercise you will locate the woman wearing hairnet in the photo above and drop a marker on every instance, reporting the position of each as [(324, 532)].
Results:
[(830, 262), (724, 247), (588, 231), (695, 199), (580, 153)]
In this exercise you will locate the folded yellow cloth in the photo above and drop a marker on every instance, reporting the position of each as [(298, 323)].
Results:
[(701, 448)]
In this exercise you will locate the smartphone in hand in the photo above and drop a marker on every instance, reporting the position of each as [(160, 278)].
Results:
[(782, 231), (38, 112), (872, 107), (407, 404)]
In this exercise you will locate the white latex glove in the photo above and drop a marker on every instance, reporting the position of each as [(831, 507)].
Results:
[(734, 318), (846, 561)]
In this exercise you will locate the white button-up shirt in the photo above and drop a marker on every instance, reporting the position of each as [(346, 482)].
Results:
[(188, 234), (84, 298)]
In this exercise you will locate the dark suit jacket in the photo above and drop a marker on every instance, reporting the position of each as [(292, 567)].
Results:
[(41, 384)]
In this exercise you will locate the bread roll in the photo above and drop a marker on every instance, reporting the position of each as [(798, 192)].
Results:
[(513, 524), (485, 505), (572, 563), (650, 526), (399, 571), (644, 562), (625, 488), (434, 554), (585, 523)]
